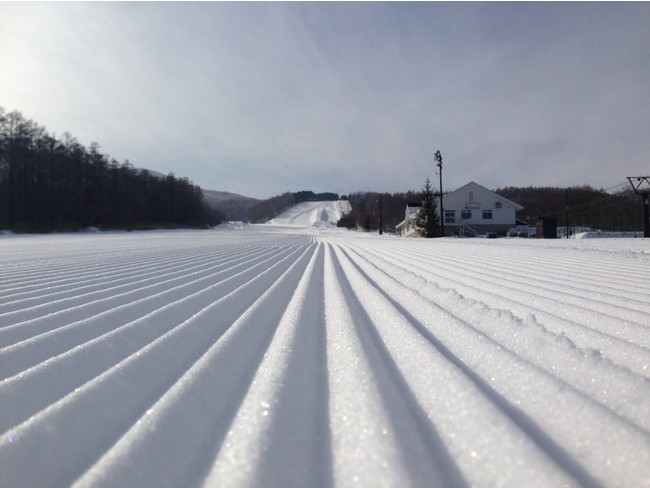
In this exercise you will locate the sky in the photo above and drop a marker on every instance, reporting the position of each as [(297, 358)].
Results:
[(263, 98)]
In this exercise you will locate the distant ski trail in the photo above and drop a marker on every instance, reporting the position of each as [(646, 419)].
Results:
[(295, 354)]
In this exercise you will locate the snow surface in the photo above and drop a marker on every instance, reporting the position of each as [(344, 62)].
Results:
[(298, 354), (314, 214)]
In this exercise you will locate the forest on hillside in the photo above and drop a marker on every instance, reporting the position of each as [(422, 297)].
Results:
[(366, 206), (584, 206), (49, 183)]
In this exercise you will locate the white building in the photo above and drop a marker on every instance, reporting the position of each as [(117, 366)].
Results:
[(472, 209), (406, 227)]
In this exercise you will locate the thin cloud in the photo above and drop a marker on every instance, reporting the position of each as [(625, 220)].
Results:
[(265, 98)]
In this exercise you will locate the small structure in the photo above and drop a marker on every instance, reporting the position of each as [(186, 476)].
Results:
[(407, 228), (547, 228), (473, 210)]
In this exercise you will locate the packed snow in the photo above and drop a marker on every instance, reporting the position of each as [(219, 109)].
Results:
[(298, 354), (314, 214)]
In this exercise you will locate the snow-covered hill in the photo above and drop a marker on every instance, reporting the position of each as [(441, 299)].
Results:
[(313, 214), (283, 356)]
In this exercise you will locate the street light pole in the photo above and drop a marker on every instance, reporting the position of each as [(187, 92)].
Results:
[(438, 157)]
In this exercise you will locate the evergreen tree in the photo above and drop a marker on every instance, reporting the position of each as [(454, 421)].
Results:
[(55, 184), (426, 219)]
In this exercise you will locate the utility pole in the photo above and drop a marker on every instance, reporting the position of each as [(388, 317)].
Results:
[(567, 212), (641, 186), (438, 157), (381, 223)]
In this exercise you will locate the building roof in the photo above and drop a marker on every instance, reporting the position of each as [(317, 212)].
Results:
[(473, 184), (413, 208)]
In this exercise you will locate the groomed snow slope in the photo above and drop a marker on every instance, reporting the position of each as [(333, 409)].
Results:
[(313, 214), (280, 356)]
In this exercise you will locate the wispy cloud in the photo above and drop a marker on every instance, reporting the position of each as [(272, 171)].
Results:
[(263, 98)]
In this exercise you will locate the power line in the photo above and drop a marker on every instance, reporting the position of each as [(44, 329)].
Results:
[(578, 207), (623, 184), (615, 204)]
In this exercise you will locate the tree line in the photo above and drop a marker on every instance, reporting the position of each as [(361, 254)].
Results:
[(373, 212), (49, 183), (584, 205), (365, 210)]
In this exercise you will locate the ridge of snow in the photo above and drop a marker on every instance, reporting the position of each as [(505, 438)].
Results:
[(297, 354)]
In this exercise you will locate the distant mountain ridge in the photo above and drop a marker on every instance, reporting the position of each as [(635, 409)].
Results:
[(220, 196), (232, 205)]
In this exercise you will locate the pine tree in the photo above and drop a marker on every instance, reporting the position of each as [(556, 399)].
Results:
[(426, 220)]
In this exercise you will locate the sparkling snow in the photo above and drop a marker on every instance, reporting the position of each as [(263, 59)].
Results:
[(294, 353)]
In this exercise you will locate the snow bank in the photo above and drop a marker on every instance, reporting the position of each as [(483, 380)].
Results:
[(608, 235)]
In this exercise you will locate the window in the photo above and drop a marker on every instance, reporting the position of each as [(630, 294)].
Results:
[(450, 216), (487, 214), (466, 213)]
